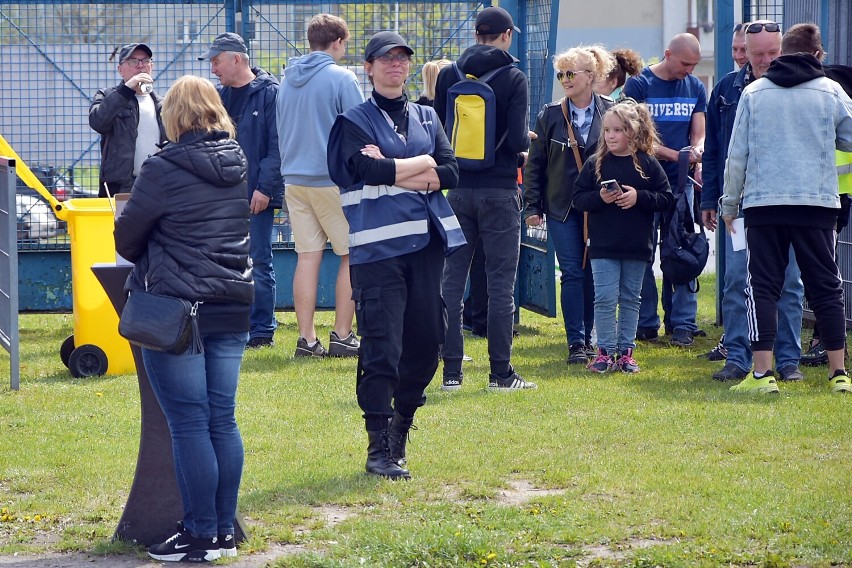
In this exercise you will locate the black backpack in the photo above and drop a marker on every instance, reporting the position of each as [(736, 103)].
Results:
[(683, 252)]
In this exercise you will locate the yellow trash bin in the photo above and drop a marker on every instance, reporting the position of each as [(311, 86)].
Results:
[(96, 348)]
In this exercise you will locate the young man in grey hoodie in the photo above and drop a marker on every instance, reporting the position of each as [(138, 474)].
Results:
[(313, 91)]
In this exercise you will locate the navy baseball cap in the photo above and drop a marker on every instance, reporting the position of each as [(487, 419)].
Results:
[(383, 42), (227, 41), (127, 50), (494, 20)]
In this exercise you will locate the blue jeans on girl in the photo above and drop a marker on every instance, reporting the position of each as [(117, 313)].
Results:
[(197, 393), (618, 282)]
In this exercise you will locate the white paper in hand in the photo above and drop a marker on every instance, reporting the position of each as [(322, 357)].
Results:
[(738, 239)]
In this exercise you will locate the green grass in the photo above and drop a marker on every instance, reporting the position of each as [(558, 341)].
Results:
[(665, 468)]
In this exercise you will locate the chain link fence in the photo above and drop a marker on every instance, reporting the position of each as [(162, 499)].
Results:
[(56, 55)]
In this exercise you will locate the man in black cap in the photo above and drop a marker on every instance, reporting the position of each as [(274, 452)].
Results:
[(487, 202), (248, 94), (127, 117)]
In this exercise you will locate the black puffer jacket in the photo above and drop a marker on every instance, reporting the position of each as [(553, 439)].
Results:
[(114, 114), (186, 225), (552, 168)]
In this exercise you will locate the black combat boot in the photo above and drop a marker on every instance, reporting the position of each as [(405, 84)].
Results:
[(398, 436), (378, 457)]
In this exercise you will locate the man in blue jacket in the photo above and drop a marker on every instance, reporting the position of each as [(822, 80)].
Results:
[(763, 45), (313, 91), (248, 94)]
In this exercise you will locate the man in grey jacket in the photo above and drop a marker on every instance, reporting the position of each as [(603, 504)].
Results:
[(781, 167), (313, 91)]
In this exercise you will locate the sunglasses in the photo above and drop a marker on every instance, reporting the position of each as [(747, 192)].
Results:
[(389, 58), (758, 27), (570, 74)]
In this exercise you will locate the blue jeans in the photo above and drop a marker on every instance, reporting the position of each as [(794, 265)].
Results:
[(197, 393), (263, 322), (788, 347), (578, 291), (680, 303), (648, 317), (618, 282), (493, 215)]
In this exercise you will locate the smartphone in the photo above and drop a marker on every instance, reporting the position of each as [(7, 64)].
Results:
[(611, 185)]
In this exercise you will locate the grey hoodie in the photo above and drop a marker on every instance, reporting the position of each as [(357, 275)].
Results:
[(313, 91)]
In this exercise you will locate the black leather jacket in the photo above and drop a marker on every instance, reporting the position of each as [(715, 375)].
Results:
[(114, 114), (552, 168), (186, 225)]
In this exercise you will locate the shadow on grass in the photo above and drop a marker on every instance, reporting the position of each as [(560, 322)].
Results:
[(315, 489)]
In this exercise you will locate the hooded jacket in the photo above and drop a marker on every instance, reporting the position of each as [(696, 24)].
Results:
[(511, 91), (784, 137), (186, 224), (114, 114), (313, 91), (258, 135)]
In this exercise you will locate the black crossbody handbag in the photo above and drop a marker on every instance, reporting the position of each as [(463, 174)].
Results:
[(161, 323)]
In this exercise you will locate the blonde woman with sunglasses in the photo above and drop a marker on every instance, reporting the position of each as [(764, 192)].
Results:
[(568, 131)]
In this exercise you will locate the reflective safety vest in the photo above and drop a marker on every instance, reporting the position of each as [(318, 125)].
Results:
[(844, 171)]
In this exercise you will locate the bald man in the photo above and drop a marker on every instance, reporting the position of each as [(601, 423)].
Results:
[(763, 45), (738, 45), (677, 101)]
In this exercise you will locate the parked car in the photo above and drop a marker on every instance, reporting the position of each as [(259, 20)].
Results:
[(35, 218), (56, 183)]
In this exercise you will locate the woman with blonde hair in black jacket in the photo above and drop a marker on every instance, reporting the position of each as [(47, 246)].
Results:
[(186, 228)]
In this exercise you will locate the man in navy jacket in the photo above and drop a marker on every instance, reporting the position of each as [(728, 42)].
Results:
[(248, 94)]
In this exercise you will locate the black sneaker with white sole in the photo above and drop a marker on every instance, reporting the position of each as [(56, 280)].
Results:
[(577, 354), (816, 355), (511, 382), (227, 546), (258, 342), (305, 349), (343, 347), (452, 382), (183, 547), (718, 353)]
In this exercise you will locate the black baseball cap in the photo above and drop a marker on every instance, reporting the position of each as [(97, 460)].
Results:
[(127, 50), (227, 41), (494, 20), (383, 42)]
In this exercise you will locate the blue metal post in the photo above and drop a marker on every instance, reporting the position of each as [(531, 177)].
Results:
[(551, 44), (724, 29), (724, 64), (519, 44), (825, 27), (230, 16)]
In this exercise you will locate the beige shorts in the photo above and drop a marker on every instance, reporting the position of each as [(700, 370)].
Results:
[(317, 217)]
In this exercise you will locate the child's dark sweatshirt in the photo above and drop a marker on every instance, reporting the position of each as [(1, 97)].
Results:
[(622, 233)]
